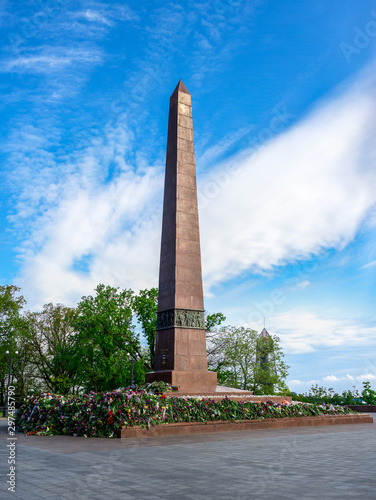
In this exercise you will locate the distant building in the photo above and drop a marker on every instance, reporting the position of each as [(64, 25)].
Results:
[(265, 361)]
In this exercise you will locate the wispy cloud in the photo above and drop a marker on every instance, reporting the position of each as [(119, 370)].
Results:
[(63, 43), (97, 18), (92, 219), (214, 154), (303, 284), (64, 20), (50, 59), (370, 264), (221, 30), (94, 16)]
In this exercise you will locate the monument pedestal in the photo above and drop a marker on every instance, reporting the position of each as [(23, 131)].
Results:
[(180, 357), (189, 382)]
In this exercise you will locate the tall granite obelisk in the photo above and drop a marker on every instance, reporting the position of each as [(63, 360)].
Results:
[(180, 351)]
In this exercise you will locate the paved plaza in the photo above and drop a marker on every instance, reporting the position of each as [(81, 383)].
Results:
[(300, 463)]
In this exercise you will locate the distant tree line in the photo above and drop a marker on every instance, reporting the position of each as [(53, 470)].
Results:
[(319, 394), (92, 346)]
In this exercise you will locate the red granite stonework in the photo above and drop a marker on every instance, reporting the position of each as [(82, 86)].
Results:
[(244, 425), (180, 355)]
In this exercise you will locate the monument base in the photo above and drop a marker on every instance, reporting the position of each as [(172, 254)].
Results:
[(184, 428), (192, 382)]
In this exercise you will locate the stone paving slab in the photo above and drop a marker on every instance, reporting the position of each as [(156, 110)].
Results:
[(303, 463)]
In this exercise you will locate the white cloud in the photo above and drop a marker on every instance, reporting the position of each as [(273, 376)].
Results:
[(333, 378), (365, 377), (303, 382), (89, 228), (303, 331), (306, 190)]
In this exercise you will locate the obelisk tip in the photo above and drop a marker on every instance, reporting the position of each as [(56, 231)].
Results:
[(180, 87)]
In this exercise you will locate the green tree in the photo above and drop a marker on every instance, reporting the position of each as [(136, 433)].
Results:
[(106, 340), (11, 325), (145, 306), (51, 339), (213, 349), (213, 321), (10, 306), (235, 356), (26, 376), (368, 394)]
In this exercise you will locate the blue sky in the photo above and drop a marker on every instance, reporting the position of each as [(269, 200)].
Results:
[(284, 112)]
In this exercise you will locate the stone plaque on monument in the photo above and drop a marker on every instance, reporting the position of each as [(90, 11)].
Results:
[(180, 351)]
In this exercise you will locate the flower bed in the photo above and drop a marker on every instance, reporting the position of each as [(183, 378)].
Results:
[(104, 414)]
